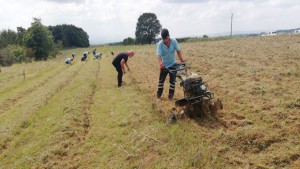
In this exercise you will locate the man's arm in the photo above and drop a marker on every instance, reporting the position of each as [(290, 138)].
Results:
[(161, 66), (180, 56), (127, 66), (122, 66), (159, 60)]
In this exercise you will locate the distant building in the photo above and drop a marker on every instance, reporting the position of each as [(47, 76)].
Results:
[(296, 31), (269, 34)]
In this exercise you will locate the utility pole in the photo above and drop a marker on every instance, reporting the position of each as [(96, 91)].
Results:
[(231, 24)]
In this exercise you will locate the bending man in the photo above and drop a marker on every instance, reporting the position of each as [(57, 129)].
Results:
[(119, 61)]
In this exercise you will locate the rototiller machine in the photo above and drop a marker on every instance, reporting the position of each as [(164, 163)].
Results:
[(197, 97)]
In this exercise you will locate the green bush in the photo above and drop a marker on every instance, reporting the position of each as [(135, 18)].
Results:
[(13, 54), (6, 57), (29, 53), (18, 53)]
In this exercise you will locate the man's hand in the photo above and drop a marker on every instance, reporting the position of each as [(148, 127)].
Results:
[(161, 67), (181, 60)]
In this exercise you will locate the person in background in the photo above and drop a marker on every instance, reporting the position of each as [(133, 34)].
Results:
[(85, 55), (68, 61), (73, 55), (94, 51), (97, 56), (119, 61), (166, 58)]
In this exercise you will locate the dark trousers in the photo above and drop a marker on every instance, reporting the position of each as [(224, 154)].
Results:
[(120, 73), (162, 77), (84, 58)]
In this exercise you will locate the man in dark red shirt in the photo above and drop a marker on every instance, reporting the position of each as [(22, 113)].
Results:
[(119, 62)]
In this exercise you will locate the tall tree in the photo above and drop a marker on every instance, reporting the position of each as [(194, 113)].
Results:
[(39, 39), (147, 28), (7, 37), (70, 35), (20, 32)]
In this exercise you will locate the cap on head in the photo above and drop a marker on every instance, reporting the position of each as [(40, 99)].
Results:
[(165, 33)]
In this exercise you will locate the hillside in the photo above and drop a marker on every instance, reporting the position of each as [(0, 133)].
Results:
[(74, 116)]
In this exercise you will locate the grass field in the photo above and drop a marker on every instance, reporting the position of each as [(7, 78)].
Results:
[(54, 115)]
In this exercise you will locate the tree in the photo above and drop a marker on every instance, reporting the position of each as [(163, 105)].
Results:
[(128, 41), (70, 35), (20, 34), (7, 37), (147, 28), (39, 39), (205, 36)]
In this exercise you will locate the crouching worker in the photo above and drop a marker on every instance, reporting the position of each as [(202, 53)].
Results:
[(97, 56), (85, 55), (73, 55), (68, 61), (166, 58), (119, 62)]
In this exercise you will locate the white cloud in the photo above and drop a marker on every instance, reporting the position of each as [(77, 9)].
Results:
[(67, 1), (114, 20), (186, 1)]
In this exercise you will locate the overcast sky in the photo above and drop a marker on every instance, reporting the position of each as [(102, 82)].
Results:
[(114, 20)]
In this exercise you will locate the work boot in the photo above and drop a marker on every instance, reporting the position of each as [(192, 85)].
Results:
[(171, 97), (158, 96), (159, 93), (171, 94)]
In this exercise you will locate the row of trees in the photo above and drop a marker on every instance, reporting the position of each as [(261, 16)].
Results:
[(70, 35), (38, 42)]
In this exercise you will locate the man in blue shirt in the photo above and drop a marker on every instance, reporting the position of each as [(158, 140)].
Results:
[(166, 58)]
